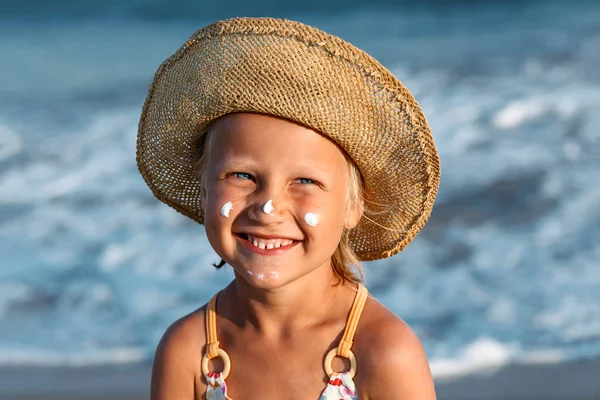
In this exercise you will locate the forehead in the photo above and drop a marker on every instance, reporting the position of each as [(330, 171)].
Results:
[(272, 140)]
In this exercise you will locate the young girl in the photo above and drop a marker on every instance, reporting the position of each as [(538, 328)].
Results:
[(301, 155)]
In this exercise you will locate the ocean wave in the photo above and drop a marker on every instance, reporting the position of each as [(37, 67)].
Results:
[(47, 358), (486, 356)]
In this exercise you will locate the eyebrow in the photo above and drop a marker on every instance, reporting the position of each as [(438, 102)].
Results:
[(236, 162), (241, 162), (314, 169)]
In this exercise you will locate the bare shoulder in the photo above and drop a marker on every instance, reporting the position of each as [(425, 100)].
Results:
[(392, 361), (176, 365)]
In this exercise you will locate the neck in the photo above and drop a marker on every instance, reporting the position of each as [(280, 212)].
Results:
[(284, 309)]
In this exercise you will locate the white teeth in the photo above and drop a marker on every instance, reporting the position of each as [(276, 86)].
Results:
[(270, 243)]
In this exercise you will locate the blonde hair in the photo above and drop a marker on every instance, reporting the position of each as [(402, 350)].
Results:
[(344, 261)]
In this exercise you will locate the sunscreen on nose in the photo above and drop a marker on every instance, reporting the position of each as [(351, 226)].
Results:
[(226, 208), (268, 207), (311, 219)]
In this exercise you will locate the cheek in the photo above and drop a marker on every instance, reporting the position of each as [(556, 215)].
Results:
[(217, 199), (326, 215), (214, 223)]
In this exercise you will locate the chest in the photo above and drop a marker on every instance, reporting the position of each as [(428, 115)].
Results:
[(292, 369)]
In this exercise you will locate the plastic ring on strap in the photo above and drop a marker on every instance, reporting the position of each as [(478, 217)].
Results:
[(226, 361), (330, 357)]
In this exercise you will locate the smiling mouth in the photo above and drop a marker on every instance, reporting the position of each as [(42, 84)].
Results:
[(267, 244)]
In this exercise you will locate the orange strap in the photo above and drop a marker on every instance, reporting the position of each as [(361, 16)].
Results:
[(343, 349), (212, 343), (345, 345)]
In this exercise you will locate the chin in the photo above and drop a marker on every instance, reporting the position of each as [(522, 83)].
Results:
[(262, 280)]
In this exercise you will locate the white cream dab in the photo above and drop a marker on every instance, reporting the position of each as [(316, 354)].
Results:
[(268, 207), (226, 208), (274, 274), (261, 277), (311, 219)]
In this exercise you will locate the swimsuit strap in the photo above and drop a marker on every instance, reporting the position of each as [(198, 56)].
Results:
[(345, 345), (343, 349), (212, 343)]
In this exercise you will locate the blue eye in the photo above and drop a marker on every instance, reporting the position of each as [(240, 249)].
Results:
[(242, 175), (306, 180)]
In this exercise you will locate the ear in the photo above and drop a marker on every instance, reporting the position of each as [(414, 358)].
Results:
[(353, 214), (203, 199)]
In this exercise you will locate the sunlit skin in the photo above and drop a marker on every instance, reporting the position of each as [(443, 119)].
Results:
[(285, 309), (254, 159)]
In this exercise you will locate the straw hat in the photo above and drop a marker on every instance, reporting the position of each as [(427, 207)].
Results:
[(298, 72)]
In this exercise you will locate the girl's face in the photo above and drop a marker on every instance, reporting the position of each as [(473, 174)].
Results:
[(255, 158)]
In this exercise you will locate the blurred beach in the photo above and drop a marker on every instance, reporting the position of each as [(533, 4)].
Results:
[(578, 380), (502, 286)]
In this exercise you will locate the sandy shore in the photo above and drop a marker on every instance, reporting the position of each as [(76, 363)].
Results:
[(574, 381), (126, 382), (78, 397)]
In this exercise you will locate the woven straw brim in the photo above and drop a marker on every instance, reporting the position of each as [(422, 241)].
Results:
[(294, 71)]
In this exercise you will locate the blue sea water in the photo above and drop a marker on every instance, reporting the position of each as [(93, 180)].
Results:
[(93, 268)]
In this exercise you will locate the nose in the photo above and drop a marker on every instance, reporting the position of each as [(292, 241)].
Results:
[(267, 210)]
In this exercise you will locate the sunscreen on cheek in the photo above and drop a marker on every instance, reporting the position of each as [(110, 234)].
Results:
[(311, 219), (226, 209)]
